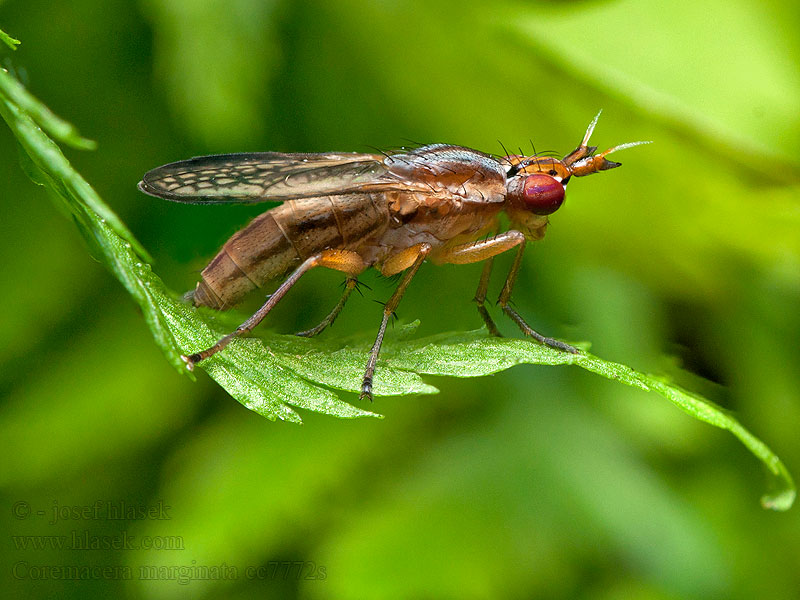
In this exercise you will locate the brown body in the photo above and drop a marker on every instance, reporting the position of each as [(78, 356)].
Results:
[(374, 224), (280, 239), (350, 211)]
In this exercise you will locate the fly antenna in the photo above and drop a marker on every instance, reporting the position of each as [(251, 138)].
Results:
[(584, 149), (624, 146), (590, 130), (599, 162)]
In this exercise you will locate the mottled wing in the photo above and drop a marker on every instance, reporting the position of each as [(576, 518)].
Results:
[(265, 177)]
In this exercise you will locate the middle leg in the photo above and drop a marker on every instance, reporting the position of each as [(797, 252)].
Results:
[(349, 285), (480, 298), (410, 259)]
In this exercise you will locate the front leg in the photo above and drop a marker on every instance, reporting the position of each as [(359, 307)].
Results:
[(505, 298), (486, 250)]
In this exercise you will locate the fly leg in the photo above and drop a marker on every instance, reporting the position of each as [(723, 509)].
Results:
[(349, 285), (340, 260), (411, 259), (505, 297), (486, 250), (480, 298)]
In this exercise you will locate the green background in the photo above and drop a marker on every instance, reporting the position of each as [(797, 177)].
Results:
[(536, 482)]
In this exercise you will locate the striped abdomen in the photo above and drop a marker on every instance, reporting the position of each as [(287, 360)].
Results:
[(281, 238)]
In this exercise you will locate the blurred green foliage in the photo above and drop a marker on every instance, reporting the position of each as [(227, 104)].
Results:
[(537, 482)]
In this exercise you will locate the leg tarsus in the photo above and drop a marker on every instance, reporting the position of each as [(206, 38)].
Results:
[(366, 390), (372, 361), (527, 330), (488, 321)]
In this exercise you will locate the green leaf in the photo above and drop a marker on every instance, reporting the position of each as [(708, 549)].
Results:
[(275, 374), (473, 354), (8, 40), (57, 127), (248, 371)]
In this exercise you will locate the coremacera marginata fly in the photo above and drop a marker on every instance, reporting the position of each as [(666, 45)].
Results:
[(349, 211)]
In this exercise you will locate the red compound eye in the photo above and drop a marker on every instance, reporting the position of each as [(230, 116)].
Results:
[(542, 194)]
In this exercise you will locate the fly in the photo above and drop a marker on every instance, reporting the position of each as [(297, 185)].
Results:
[(350, 211)]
